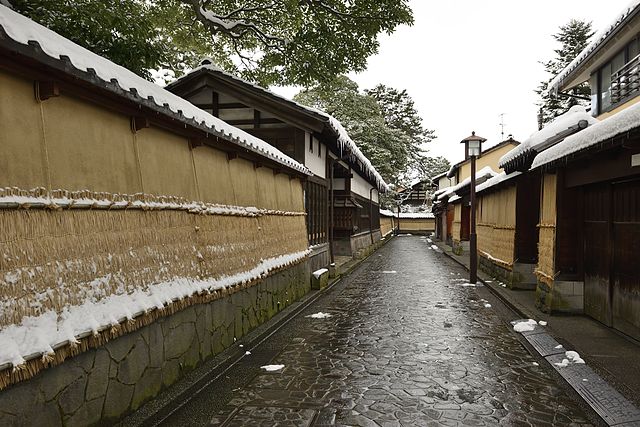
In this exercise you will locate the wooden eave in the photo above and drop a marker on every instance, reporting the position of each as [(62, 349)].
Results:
[(263, 100), (31, 62), (248, 95)]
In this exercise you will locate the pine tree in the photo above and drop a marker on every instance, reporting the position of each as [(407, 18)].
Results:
[(383, 122), (573, 38)]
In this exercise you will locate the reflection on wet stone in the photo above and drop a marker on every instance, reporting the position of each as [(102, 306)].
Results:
[(413, 348)]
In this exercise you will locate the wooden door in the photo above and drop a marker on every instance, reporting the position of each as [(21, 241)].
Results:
[(597, 252), (625, 274), (527, 218), (450, 216), (465, 223)]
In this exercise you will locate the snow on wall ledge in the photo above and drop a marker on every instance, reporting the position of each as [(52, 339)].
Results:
[(12, 197), (39, 337), (23, 30)]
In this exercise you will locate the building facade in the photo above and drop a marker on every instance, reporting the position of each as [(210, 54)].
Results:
[(342, 195)]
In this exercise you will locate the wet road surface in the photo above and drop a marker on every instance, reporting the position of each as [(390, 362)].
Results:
[(408, 343)]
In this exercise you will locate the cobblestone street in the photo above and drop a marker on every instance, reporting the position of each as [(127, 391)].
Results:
[(408, 343)]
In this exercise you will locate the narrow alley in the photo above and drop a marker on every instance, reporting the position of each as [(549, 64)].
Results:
[(408, 342)]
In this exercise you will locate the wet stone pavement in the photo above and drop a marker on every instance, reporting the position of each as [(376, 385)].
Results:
[(407, 344)]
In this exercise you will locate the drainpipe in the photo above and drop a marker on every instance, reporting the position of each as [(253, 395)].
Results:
[(371, 213), (331, 251)]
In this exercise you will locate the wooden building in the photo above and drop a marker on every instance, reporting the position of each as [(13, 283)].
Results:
[(592, 182), (139, 236), (341, 198), (451, 205)]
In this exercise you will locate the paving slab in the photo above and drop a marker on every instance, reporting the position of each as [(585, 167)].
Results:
[(614, 408)]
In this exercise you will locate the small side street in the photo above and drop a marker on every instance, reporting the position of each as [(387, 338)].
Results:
[(451, 359)]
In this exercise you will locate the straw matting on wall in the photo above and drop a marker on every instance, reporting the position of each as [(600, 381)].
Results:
[(457, 219), (546, 244), (496, 213), (50, 259)]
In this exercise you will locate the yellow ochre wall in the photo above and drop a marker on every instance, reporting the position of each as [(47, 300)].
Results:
[(457, 221), (417, 224), (67, 144), (489, 159), (387, 224)]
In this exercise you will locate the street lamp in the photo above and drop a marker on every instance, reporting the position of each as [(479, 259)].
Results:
[(473, 148)]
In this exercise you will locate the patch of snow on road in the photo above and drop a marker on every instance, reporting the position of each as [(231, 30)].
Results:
[(572, 357), (542, 323), (525, 325), (389, 272), (558, 346), (319, 315), (435, 247), (468, 285), (487, 305), (271, 368)]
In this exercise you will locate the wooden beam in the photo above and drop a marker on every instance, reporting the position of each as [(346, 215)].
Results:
[(44, 90), (215, 104), (257, 165), (222, 106), (256, 118), (232, 155), (252, 121)]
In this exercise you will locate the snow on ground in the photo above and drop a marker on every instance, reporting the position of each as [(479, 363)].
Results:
[(434, 247), (319, 315), (389, 272), (270, 368), (524, 325), (487, 305), (571, 357), (36, 336), (542, 323)]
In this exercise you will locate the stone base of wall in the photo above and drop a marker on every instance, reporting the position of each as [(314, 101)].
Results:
[(103, 384), (320, 256), (560, 297), (521, 277), (355, 243)]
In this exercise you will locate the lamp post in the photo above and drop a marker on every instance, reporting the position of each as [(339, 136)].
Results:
[(473, 148)]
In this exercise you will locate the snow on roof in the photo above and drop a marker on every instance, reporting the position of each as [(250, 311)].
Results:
[(454, 198), (386, 212), (23, 30), (484, 173), (598, 39), (343, 138), (537, 139), (501, 177), (416, 215), (621, 122)]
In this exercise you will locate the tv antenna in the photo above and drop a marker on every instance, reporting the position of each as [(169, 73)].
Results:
[(501, 126)]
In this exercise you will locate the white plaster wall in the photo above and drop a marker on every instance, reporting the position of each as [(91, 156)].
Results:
[(312, 161), (361, 187)]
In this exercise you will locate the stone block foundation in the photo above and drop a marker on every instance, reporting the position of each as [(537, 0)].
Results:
[(103, 384)]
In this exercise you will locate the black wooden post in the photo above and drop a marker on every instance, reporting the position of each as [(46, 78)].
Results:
[(473, 249)]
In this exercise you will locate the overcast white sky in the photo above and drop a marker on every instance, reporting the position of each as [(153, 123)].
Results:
[(464, 62)]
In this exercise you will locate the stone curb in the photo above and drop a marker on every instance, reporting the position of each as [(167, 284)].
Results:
[(613, 408)]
